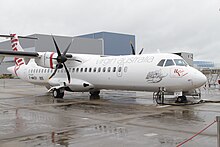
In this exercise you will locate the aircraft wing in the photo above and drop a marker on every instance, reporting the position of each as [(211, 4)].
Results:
[(19, 54)]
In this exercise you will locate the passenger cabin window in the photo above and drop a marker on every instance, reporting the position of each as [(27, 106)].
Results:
[(103, 70), (114, 69), (161, 63), (119, 69), (99, 69), (109, 69), (169, 62), (180, 62)]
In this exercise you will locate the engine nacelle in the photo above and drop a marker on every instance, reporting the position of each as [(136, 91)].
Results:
[(47, 59)]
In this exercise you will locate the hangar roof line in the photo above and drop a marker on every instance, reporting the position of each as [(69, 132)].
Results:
[(103, 43)]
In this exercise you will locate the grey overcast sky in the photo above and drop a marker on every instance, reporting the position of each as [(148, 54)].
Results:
[(168, 25)]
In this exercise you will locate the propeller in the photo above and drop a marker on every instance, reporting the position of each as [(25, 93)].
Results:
[(141, 51), (133, 50), (61, 59)]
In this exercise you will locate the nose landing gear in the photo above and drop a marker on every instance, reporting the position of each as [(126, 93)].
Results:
[(159, 98), (159, 95)]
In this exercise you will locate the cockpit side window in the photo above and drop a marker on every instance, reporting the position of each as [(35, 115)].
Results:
[(161, 63), (180, 62), (169, 62)]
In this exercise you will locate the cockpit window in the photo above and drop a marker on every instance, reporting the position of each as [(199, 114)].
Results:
[(169, 62), (180, 62), (161, 62)]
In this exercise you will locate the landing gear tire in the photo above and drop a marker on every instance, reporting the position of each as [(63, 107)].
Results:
[(57, 93), (94, 95), (181, 99)]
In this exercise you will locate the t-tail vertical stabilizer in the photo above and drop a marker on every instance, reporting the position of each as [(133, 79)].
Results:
[(16, 47)]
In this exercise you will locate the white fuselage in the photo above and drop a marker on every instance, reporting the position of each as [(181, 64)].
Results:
[(132, 72)]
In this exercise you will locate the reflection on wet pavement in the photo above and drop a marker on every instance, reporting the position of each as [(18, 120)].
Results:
[(31, 117)]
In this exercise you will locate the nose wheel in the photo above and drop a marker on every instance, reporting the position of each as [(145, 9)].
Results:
[(57, 93)]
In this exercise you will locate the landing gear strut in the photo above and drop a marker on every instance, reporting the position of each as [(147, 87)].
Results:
[(159, 95), (57, 93)]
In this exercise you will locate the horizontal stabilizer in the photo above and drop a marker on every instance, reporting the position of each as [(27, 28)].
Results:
[(11, 36)]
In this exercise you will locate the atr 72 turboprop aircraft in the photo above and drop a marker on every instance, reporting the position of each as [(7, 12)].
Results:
[(60, 72)]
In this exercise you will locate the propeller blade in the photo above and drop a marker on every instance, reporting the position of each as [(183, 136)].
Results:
[(57, 48), (57, 66), (77, 60), (141, 51), (67, 72), (66, 50), (132, 47)]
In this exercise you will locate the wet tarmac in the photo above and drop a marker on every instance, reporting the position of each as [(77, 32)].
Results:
[(29, 116)]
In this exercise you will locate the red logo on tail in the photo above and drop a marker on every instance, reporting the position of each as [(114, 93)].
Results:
[(18, 61)]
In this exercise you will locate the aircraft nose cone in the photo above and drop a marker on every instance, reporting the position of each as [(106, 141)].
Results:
[(199, 79)]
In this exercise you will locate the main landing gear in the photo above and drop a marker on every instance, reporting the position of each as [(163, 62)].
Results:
[(181, 99), (57, 93), (94, 95)]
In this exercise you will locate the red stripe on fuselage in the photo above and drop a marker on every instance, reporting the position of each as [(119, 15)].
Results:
[(51, 60)]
